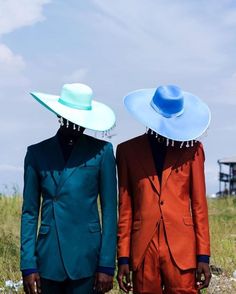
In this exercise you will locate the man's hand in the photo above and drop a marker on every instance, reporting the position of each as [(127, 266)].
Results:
[(203, 275), (103, 283), (123, 278), (31, 284)]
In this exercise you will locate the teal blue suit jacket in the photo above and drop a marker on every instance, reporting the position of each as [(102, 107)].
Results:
[(69, 241)]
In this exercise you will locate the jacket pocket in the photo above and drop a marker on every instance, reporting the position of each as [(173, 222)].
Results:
[(44, 229), (188, 221), (94, 227)]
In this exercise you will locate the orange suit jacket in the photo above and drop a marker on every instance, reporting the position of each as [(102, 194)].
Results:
[(180, 201)]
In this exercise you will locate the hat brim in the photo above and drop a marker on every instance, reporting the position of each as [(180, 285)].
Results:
[(99, 118), (188, 126)]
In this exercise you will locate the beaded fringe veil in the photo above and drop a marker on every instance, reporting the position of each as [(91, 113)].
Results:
[(170, 142), (66, 122)]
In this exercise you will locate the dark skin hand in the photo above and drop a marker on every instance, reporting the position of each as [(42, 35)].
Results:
[(103, 283), (31, 284), (203, 275), (123, 278), (203, 271)]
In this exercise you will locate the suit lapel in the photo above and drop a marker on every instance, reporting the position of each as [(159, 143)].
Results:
[(144, 156), (173, 156), (78, 156), (55, 159)]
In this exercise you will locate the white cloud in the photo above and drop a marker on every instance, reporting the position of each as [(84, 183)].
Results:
[(228, 128), (11, 168), (10, 62), (11, 68), (228, 89), (230, 18), (176, 38), (78, 76), (15, 14)]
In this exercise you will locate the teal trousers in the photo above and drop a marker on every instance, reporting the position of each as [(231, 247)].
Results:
[(81, 286)]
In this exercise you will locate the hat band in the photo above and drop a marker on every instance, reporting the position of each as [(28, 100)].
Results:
[(168, 115), (76, 106)]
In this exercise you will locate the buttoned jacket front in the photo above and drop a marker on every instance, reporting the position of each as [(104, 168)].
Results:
[(180, 201), (70, 241)]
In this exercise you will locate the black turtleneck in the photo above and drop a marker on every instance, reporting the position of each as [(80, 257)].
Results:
[(159, 149), (68, 138)]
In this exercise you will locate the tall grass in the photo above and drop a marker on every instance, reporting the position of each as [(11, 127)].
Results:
[(222, 215), (223, 233), (10, 209)]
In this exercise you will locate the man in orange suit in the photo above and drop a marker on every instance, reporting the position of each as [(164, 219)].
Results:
[(163, 231)]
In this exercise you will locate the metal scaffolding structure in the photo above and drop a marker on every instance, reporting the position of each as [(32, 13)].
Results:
[(227, 176)]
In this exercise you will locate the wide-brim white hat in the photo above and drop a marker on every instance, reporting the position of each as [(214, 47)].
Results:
[(76, 104), (170, 112)]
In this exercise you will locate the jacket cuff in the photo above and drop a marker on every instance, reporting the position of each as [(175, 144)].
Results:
[(203, 258), (28, 272), (106, 270), (123, 260)]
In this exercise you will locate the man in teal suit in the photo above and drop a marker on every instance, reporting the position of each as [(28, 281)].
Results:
[(70, 252)]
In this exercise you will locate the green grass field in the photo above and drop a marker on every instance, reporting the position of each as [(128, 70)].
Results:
[(222, 213)]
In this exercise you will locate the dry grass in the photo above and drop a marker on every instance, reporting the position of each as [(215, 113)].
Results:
[(222, 214), (9, 238)]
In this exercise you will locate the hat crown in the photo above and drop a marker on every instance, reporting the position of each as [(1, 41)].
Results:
[(78, 96), (168, 101)]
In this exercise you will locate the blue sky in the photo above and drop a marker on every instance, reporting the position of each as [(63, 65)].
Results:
[(115, 47)]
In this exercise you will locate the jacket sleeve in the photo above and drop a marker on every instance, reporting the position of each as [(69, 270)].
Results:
[(199, 203), (108, 198), (125, 206), (30, 213)]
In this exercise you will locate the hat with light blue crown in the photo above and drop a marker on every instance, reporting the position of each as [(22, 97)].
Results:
[(76, 104)]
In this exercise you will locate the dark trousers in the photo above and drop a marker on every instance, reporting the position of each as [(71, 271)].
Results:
[(81, 286)]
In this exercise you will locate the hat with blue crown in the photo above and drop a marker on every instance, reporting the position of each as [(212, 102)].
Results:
[(170, 112)]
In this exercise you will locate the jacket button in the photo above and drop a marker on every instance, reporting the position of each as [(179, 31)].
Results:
[(162, 202)]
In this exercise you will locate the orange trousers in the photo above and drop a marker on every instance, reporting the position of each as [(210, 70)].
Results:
[(158, 272)]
